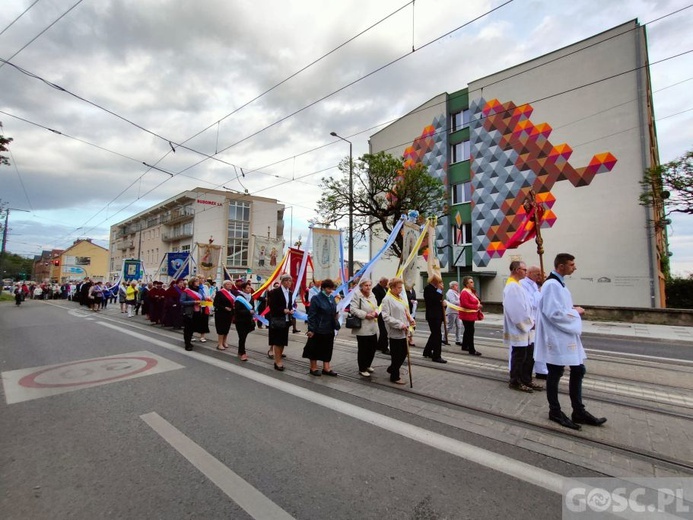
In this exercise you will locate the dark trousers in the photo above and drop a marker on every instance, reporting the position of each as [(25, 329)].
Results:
[(434, 344), (367, 346), (577, 373), (521, 364), (468, 336), (242, 335), (398, 353), (188, 329), (382, 334)]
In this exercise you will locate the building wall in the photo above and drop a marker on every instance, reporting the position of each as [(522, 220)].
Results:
[(575, 126), (180, 222), (591, 194), (84, 259)]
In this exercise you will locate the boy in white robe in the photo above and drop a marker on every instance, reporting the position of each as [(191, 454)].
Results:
[(557, 343)]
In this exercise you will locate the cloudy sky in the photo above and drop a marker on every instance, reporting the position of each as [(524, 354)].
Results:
[(116, 81)]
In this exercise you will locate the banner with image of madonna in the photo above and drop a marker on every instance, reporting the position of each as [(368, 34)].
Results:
[(326, 262), (208, 260)]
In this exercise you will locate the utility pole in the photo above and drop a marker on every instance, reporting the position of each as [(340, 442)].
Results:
[(4, 241)]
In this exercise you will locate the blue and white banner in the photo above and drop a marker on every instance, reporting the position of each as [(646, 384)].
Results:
[(174, 263)]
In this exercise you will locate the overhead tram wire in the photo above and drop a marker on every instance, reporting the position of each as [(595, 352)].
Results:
[(207, 156), (41, 33), (226, 182), (18, 17)]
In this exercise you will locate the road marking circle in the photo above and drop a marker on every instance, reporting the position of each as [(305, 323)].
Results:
[(88, 372)]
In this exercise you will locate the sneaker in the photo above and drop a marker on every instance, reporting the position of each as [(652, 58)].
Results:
[(365, 373), (370, 370)]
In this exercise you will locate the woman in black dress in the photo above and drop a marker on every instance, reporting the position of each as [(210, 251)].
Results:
[(244, 313), (322, 322), (223, 313), (281, 310)]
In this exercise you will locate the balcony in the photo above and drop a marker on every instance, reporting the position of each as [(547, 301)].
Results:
[(177, 215), (171, 237), (126, 244)]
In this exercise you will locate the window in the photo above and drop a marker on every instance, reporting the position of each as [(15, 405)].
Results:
[(461, 193), (239, 211), (459, 120), (238, 233), (459, 152), (185, 249), (82, 260), (462, 234)]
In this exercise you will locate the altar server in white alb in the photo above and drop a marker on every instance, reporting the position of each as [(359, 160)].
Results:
[(518, 333), (557, 343), (530, 284)]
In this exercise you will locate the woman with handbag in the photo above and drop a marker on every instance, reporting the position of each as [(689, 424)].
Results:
[(322, 323), (471, 312), (281, 310), (364, 308)]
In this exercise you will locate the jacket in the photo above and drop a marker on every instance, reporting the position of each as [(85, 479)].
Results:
[(322, 315), (359, 307), (434, 303), (394, 315), (470, 305)]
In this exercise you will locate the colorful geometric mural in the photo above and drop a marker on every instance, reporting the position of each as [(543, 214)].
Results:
[(431, 150), (509, 157)]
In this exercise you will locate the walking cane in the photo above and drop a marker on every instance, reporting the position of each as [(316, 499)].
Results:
[(411, 382)]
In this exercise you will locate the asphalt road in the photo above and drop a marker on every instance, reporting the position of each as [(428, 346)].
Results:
[(205, 438)]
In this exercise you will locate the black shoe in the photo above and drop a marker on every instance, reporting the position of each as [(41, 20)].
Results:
[(188, 347), (540, 376), (562, 419), (439, 360), (426, 354), (459, 343), (445, 342), (315, 372), (295, 331), (386, 351), (475, 353), (584, 417), (280, 368), (465, 349), (329, 373)]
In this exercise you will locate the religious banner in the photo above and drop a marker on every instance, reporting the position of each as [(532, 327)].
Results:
[(266, 254), (410, 234), (174, 262), (208, 260), (132, 269), (326, 262)]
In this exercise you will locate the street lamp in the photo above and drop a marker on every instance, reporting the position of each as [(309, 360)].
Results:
[(351, 204)]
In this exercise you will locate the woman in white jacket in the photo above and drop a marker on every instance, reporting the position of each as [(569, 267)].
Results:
[(395, 313), (364, 306)]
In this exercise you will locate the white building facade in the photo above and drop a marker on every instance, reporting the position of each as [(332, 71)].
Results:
[(229, 219), (576, 127)]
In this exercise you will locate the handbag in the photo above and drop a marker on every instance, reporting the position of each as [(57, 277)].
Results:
[(278, 324), (479, 315), (353, 322)]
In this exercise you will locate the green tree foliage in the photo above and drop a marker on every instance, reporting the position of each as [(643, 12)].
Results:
[(672, 183), (680, 292), (4, 141), (17, 267), (383, 190)]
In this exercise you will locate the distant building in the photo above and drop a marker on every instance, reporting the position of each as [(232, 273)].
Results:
[(46, 267), (83, 258), (230, 219), (577, 127)]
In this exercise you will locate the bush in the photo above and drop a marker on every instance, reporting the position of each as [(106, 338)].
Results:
[(680, 293)]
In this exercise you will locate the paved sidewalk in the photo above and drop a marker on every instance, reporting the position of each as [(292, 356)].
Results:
[(621, 329)]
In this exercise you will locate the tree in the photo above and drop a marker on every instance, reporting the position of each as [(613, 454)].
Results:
[(384, 189), (671, 185), (4, 141)]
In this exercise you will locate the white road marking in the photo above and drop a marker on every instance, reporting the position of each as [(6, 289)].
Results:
[(246, 496), (514, 468)]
